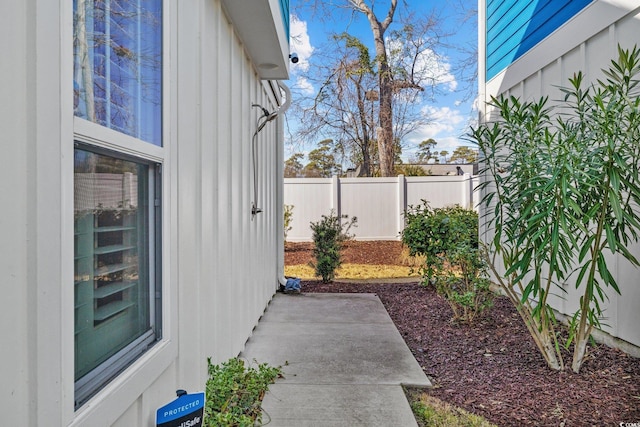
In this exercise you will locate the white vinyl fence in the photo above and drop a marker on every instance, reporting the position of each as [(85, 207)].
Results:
[(378, 203)]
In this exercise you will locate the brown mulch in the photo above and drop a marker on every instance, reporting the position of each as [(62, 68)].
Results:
[(376, 252), (493, 368)]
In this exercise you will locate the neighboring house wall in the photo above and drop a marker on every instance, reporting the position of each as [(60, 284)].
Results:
[(587, 41), (436, 169), (514, 27), (219, 264), (378, 203)]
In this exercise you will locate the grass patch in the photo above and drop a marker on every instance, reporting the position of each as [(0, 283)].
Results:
[(432, 412), (353, 271), (415, 261)]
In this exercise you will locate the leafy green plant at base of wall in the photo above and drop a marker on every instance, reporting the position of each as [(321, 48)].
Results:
[(234, 393), (288, 217), (448, 239), (562, 190), (329, 235), (465, 284)]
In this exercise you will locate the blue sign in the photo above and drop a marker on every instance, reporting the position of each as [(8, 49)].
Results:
[(186, 411)]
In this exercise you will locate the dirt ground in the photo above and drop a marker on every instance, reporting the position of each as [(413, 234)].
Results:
[(378, 252), (493, 368)]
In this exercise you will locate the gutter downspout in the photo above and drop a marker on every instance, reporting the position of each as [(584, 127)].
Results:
[(281, 280)]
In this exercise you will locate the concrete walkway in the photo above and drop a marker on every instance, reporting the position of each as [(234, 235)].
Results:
[(343, 359)]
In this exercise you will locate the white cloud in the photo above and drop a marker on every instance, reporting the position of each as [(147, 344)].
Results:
[(300, 44), (431, 69), (476, 104), (303, 85), (437, 69), (443, 120)]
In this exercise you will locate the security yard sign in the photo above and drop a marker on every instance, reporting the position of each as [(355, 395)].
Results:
[(186, 411)]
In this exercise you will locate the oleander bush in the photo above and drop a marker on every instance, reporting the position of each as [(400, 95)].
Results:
[(562, 197)]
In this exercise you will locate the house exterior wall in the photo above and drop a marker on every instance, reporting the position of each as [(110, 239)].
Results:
[(587, 41), (220, 264), (514, 27)]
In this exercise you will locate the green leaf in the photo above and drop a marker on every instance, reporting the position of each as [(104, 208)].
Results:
[(614, 202), (527, 291), (612, 242)]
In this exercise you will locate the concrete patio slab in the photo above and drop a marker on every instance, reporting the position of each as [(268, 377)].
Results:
[(297, 405), (343, 359)]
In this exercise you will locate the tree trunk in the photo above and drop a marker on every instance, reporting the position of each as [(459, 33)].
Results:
[(365, 144), (385, 130), (365, 170), (583, 331), (542, 333), (578, 353)]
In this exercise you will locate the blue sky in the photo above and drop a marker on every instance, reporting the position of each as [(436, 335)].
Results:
[(452, 111)]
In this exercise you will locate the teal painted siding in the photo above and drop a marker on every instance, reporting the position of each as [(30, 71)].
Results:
[(284, 8), (516, 26)]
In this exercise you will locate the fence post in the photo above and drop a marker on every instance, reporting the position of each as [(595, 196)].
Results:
[(475, 195), (335, 193), (402, 202), (467, 203)]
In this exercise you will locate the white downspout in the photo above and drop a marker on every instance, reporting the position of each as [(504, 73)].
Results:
[(280, 186)]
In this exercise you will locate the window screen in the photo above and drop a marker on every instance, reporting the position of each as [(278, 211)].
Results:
[(114, 265)]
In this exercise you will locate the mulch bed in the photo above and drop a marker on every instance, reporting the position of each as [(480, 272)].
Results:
[(493, 368), (375, 252)]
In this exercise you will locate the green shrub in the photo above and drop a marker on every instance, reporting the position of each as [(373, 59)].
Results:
[(448, 239), (561, 199), (465, 284), (234, 393), (288, 217), (329, 235), (434, 232)]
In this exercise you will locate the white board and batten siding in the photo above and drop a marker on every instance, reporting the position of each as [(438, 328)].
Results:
[(219, 264), (584, 39)]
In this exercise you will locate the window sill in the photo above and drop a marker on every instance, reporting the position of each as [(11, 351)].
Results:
[(116, 397)]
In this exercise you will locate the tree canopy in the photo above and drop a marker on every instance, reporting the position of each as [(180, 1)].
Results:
[(426, 151), (366, 101), (464, 154)]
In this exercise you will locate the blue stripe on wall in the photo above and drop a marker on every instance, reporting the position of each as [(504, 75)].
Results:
[(284, 9), (516, 26)]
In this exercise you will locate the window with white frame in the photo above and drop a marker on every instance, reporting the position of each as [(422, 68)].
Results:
[(117, 188)]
